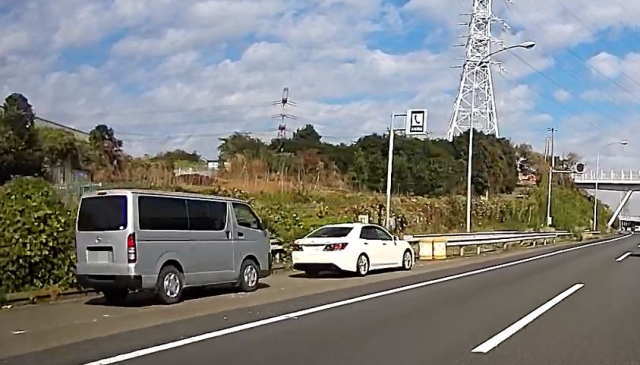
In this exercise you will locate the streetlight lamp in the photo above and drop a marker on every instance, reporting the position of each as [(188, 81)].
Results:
[(623, 142), (525, 45)]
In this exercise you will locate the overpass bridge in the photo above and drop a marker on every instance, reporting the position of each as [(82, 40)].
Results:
[(613, 180), (629, 222), (626, 181)]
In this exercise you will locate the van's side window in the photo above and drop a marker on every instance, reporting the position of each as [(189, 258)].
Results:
[(207, 215), (156, 213), (245, 216)]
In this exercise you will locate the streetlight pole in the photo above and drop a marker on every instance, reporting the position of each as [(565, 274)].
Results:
[(526, 45), (595, 194), (552, 165)]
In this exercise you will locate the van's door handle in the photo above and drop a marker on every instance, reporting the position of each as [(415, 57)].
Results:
[(240, 235), (366, 243)]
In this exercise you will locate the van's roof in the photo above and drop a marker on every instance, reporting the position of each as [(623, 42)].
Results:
[(159, 192)]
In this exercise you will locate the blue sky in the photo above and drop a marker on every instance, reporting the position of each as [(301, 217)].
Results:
[(169, 74)]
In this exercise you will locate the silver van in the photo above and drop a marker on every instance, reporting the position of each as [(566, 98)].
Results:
[(129, 240)]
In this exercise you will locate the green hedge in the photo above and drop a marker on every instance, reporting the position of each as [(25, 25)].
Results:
[(37, 237)]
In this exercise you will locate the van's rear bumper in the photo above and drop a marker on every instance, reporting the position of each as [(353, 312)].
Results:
[(102, 282)]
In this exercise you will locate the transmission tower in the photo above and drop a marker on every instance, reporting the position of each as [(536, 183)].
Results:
[(475, 105)]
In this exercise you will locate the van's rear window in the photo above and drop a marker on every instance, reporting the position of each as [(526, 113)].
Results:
[(103, 213)]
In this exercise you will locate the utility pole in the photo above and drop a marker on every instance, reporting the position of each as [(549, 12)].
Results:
[(552, 165)]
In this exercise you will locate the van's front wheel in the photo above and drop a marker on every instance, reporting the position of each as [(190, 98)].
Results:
[(170, 285), (248, 280)]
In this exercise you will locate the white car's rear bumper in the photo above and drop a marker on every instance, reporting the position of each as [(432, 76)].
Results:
[(323, 260)]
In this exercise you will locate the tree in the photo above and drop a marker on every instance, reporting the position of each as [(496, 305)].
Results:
[(307, 134), (242, 144), (18, 143), (178, 155), (58, 146), (109, 148)]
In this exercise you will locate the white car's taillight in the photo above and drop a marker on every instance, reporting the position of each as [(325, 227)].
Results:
[(335, 246)]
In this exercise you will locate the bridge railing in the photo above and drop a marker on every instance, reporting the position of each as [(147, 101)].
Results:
[(610, 175)]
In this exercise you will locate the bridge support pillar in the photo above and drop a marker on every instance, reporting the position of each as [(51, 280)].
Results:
[(618, 210)]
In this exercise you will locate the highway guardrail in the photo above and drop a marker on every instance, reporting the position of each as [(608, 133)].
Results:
[(433, 243)]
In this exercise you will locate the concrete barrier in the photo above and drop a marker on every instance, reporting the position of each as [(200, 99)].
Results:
[(433, 249)]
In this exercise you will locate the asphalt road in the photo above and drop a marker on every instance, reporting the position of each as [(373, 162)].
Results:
[(568, 306)]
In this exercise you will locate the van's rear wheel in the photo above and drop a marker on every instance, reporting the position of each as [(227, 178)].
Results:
[(115, 296), (170, 285), (248, 276)]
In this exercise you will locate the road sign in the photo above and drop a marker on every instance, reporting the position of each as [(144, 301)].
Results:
[(416, 121)]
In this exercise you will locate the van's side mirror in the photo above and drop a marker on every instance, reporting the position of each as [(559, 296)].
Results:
[(396, 238)]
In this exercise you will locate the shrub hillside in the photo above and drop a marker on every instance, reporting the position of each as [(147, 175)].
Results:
[(37, 237)]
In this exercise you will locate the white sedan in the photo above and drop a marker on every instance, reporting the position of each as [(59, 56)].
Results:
[(353, 247)]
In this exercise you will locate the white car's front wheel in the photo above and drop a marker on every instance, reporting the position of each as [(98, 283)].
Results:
[(362, 265), (407, 260)]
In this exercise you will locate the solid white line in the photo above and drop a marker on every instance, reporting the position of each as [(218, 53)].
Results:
[(624, 256), (522, 322), (264, 322)]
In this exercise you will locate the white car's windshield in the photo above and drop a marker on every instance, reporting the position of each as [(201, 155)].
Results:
[(330, 232)]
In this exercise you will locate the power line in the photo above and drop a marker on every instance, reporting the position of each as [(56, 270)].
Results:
[(559, 85), (584, 62), (589, 28)]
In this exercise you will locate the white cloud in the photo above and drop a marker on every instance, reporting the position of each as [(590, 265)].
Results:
[(605, 64), (181, 73), (562, 95)]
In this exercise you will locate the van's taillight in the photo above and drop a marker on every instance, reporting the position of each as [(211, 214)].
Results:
[(132, 253)]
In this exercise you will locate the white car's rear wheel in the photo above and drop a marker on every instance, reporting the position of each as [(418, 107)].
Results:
[(362, 265), (407, 260)]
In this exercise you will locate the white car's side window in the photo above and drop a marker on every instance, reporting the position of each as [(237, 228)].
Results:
[(382, 234), (369, 233)]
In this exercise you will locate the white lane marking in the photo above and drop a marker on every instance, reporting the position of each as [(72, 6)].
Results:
[(522, 322), (624, 256), (264, 322)]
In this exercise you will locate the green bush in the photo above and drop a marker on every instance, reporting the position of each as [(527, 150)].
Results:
[(37, 235)]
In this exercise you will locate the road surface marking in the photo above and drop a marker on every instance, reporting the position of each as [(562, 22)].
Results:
[(624, 256), (522, 322), (267, 321)]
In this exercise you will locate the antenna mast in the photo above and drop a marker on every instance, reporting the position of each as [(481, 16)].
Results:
[(284, 102)]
